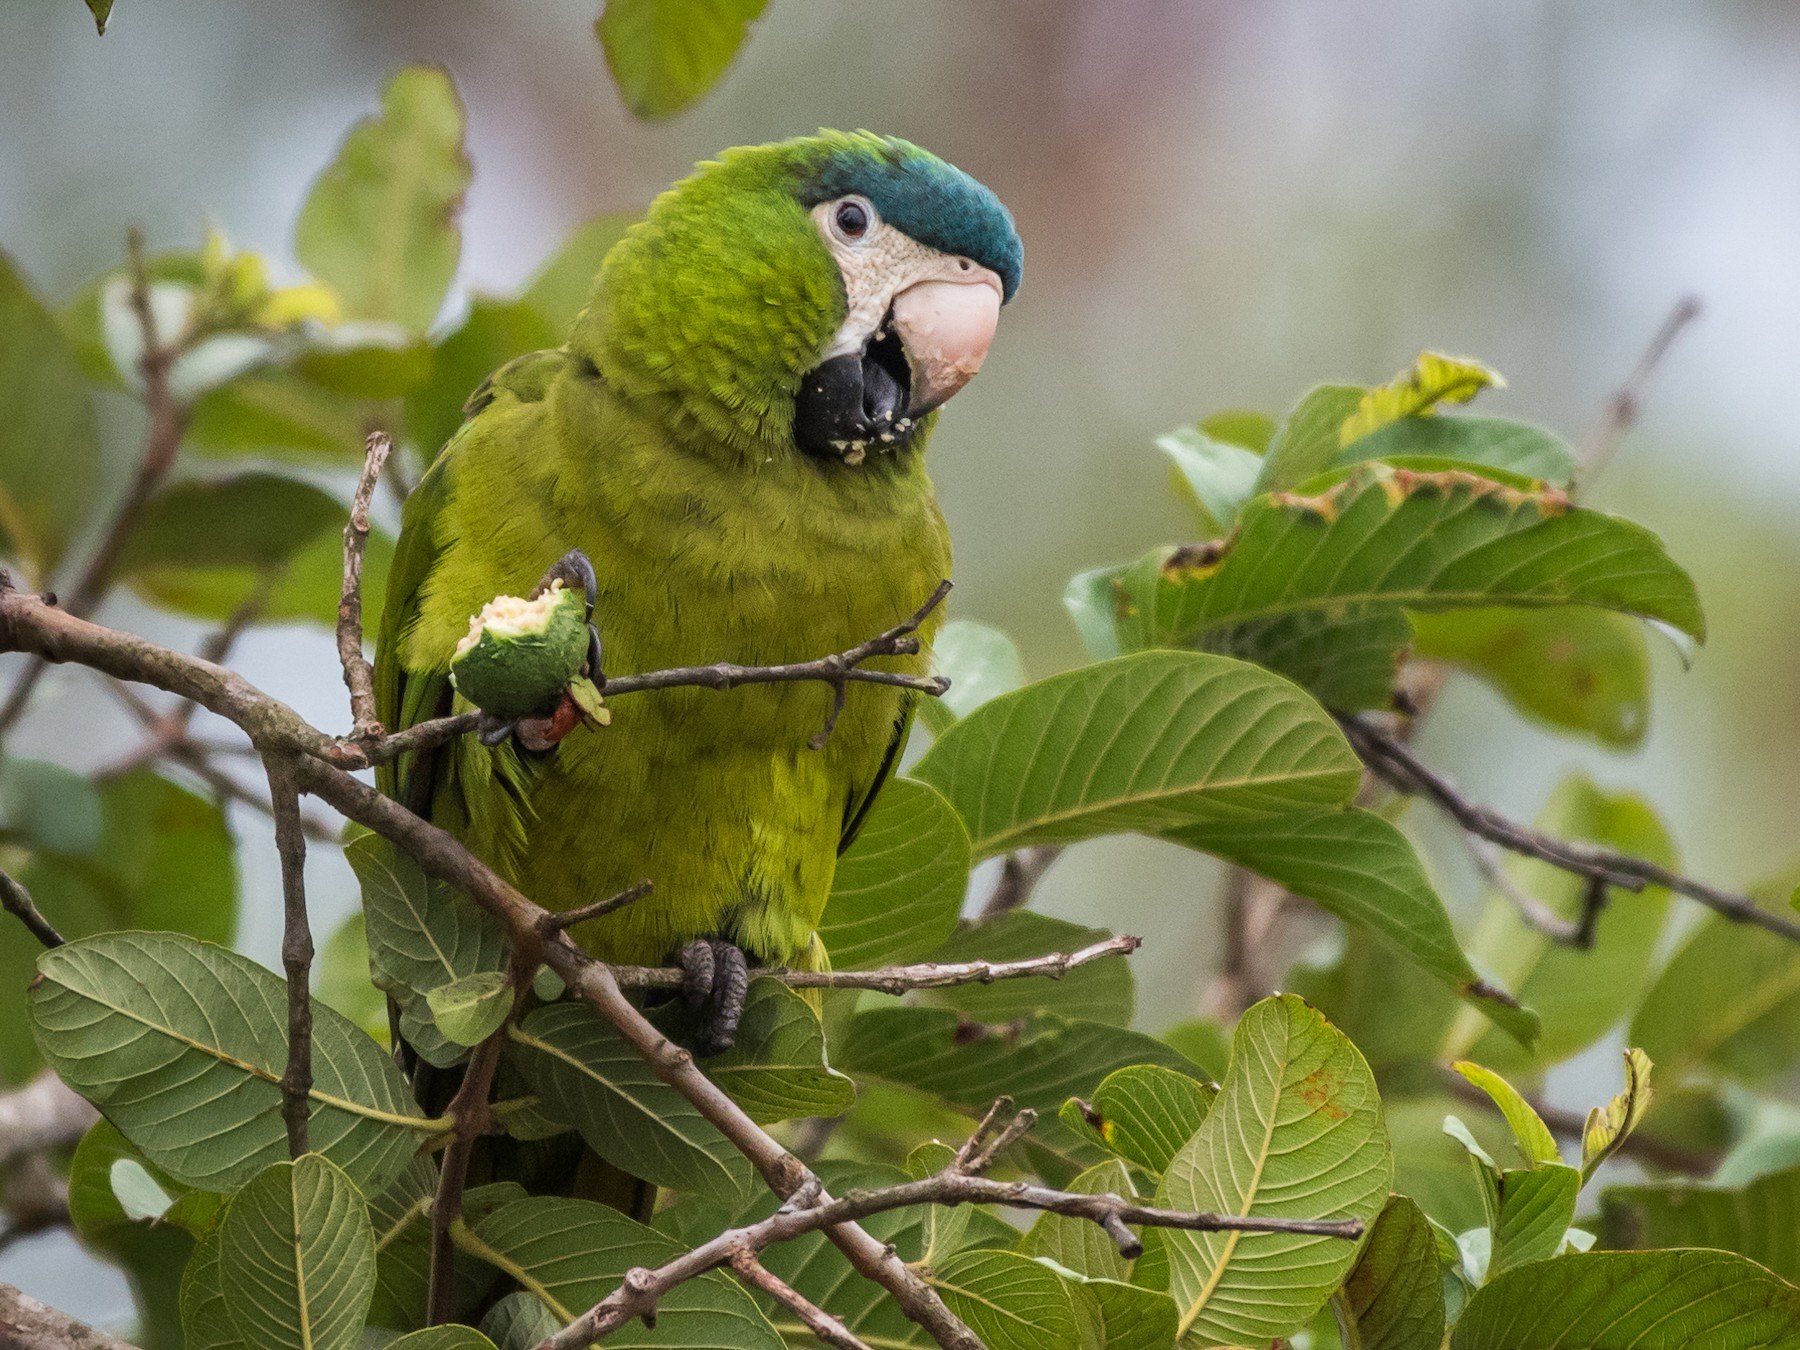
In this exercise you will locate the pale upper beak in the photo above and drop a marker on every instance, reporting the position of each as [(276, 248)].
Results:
[(946, 323)]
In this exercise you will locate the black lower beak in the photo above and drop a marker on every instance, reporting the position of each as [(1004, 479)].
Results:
[(856, 403)]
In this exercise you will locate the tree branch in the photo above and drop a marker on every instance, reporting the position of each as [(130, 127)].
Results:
[(359, 675), (1396, 765), (296, 954), (17, 901), (1019, 876), (26, 1324), (828, 1329), (1621, 413)]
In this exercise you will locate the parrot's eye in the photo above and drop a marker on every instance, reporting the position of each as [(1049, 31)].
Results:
[(851, 218)]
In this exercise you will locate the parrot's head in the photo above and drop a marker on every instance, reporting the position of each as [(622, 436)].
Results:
[(820, 296)]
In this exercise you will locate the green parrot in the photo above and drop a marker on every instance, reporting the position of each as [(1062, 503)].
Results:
[(727, 452)]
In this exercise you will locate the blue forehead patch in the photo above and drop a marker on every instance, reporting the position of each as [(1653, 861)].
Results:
[(922, 196)]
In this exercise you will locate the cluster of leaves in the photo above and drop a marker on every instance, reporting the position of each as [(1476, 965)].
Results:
[(1366, 528)]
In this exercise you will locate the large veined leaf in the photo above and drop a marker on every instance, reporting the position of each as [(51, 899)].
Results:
[(1478, 442), (1578, 669), (899, 887), (1395, 1295), (776, 1068), (423, 936), (596, 1079), (1100, 991), (1309, 438), (1760, 1220), (380, 223), (573, 1253), (401, 1216), (1673, 1300), (1145, 1113), (1385, 537), (1010, 1301), (50, 440), (182, 1044), (666, 54), (1362, 869), (1081, 1245), (520, 1321), (206, 1320), (443, 1338), (1296, 1133), (1150, 742), (1580, 994), (980, 662), (296, 1263), (1129, 1317)]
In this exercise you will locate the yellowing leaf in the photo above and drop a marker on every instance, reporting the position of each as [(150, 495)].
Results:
[(1608, 1126), (1433, 379), (1529, 1131)]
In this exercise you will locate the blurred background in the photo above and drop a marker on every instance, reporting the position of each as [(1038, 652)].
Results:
[(1223, 202)]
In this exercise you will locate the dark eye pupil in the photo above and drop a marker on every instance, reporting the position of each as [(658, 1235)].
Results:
[(852, 219)]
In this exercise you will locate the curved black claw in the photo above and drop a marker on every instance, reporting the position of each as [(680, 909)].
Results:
[(575, 571), (715, 983)]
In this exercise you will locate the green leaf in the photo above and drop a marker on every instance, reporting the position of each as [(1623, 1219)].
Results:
[(1130, 1318), (206, 1319), (566, 281), (443, 1338), (1080, 1244), (1755, 1220), (1431, 1167), (665, 55), (593, 1077), (1633, 1301), (402, 1220), (296, 1263), (1145, 1113), (945, 1225), (102, 12), (50, 442), (1432, 379), (493, 333), (1349, 661), (277, 414), (1216, 476), (1096, 603), (1362, 869), (1577, 669), (1478, 442), (572, 1253), (1089, 752), (341, 979), (1728, 1000), (1580, 994), (182, 1044), (50, 807), (112, 1185), (1100, 991), (1609, 1126), (1307, 441), (1242, 427), (520, 1321), (1009, 1301), (472, 1007), (1530, 1134), (1532, 1213), (1395, 1297), (366, 361), (900, 886), (379, 225), (776, 1069), (1296, 1132), (422, 936), (1385, 537), (981, 664)]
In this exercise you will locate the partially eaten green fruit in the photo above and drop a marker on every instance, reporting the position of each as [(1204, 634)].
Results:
[(519, 655)]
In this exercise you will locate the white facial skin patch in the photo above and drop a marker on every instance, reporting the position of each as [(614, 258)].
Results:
[(876, 267)]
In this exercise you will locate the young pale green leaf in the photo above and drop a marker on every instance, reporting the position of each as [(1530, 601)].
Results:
[(1678, 1300), (1091, 752), (1100, 991), (1009, 1301), (1245, 427), (592, 1076), (665, 55), (1093, 601), (1580, 670), (493, 333), (112, 1185), (277, 414), (1216, 476), (1477, 442), (471, 1007), (981, 664), (1393, 537), (1754, 1220), (1432, 379), (182, 1044), (1530, 1134), (296, 1261), (567, 280), (1579, 994), (1307, 441), (1364, 870), (1081, 1245), (50, 441), (573, 1253), (776, 1070), (1609, 1126), (1395, 1296), (379, 225), (443, 1338), (1296, 1132), (49, 808), (1146, 1112), (1532, 1211), (900, 885)]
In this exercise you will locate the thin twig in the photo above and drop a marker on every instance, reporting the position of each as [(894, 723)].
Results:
[(359, 675), (1622, 409), (1019, 876), (1532, 911), (296, 954), (17, 901), (1397, 766), (560, 920), (828, 1329)]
